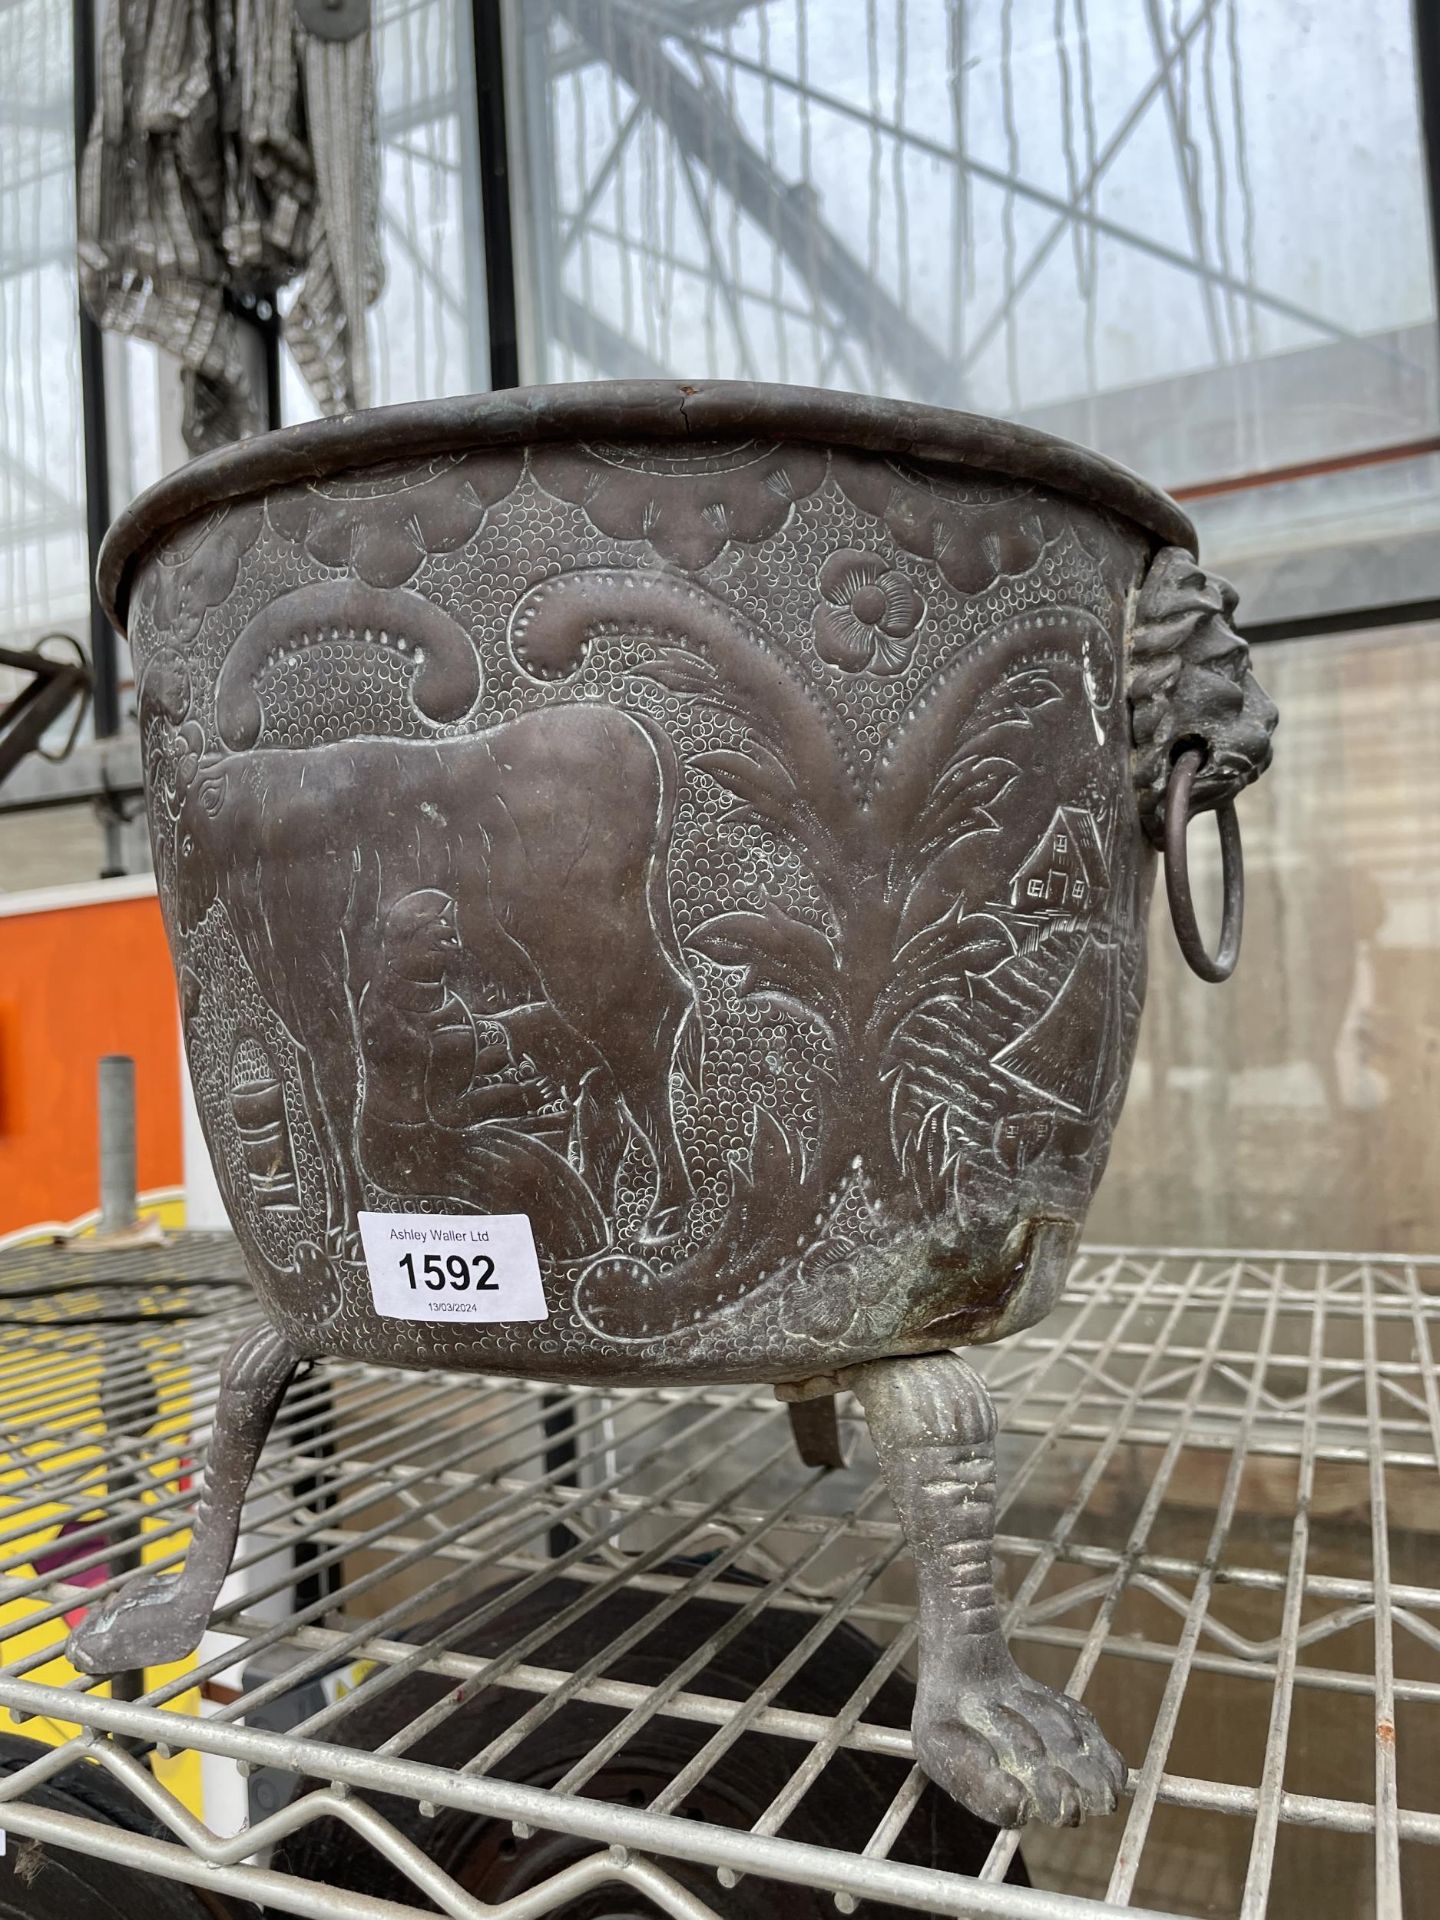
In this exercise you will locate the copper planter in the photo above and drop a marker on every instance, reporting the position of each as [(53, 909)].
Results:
[(714, 822)]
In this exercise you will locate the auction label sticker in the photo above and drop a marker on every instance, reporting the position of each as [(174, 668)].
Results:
[(453, 1266)]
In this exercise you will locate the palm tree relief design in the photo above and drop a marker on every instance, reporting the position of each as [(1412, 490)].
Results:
[(921, 977)]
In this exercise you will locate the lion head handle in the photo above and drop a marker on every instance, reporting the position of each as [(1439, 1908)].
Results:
[(1190, 683)]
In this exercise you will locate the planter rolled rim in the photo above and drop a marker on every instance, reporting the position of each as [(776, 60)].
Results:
[(624, 410)]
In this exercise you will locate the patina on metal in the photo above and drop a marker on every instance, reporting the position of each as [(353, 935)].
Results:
[(718, 823)]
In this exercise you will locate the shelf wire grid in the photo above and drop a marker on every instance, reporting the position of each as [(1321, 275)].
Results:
[(1218, 1524)]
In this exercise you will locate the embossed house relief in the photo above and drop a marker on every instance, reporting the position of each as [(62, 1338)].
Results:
[(698, 840), (1056, 902), (1064, 872)]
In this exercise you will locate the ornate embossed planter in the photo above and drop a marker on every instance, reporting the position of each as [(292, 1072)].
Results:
[(716, 823)]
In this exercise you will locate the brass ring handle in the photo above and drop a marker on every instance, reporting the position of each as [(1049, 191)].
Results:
[(1177, 874)]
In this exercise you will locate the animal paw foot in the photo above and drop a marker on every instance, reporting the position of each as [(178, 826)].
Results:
[(1012, 1750), (150, 1622)]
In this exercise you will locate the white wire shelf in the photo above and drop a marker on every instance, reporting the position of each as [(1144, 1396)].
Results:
[(557, 1650)]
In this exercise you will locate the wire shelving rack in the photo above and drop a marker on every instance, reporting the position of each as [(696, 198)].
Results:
[(1219, 1522)]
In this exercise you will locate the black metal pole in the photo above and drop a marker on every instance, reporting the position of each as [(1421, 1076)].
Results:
[(497, 216), (495, 209), (1427, 76), (267, 319), (560, 1451), (92, 399), (313, 1432), (259, 313)]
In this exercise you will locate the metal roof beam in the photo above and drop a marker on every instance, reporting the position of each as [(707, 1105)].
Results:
[(1189, 181), (983, 335), (696, 117), (1057, 203), (607, 349)]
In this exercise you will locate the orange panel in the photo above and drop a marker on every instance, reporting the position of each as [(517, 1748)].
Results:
[(77, 982)]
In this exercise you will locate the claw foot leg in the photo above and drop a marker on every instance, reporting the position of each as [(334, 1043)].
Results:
[(1002, 1744), (157, 1618)]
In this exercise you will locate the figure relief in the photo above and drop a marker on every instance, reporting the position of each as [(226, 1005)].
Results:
[(535, 851), (453, 1108)]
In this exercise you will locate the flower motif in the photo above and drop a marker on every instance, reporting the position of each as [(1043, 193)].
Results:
[(867, 615), (972, 528), (821, 1305), (382, 521), (838, 1302), (688, 501)]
